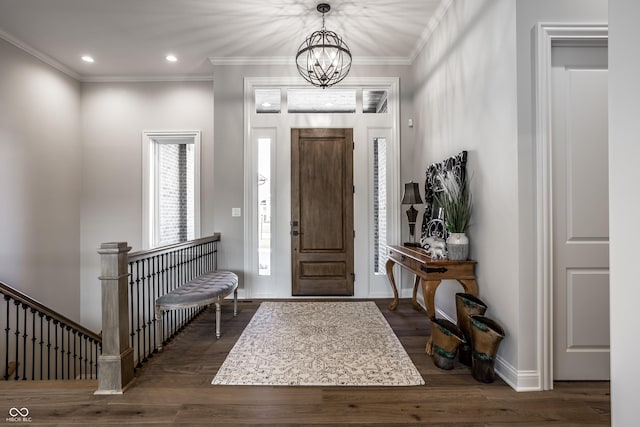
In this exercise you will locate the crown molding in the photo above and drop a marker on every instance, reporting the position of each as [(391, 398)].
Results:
[(147, 78), (97, 79), (39, 55), (285, 60), (433, 23)]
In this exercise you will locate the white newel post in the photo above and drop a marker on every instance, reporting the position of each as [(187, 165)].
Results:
[(115, 364)]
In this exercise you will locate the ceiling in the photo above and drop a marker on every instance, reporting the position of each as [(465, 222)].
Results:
[(131, 38)]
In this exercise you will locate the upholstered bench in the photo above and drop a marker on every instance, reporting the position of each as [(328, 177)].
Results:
[(205, 289)]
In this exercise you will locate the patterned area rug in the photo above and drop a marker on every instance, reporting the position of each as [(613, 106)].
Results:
[(318, 343)]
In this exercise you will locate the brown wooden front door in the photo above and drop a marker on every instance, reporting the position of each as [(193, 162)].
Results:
[(322, 211)]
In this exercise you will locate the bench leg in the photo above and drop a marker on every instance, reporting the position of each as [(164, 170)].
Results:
[(218, 319), (235, 302), (159, 327)]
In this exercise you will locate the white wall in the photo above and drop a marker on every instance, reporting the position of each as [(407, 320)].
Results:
[(466, 100), (114, 115), (474, 85), (39, 181), (624, 207)]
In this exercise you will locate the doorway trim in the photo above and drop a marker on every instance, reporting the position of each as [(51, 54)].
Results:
[(546, 36), (303, 120)]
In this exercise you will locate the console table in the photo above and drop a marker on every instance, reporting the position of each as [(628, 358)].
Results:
[(430, 272)]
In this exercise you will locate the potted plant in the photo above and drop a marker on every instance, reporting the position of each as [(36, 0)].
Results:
[(455, 201)]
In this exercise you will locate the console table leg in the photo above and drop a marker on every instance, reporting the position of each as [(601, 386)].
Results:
[(429, 293), (392, 281), (414, 301), (470, 286)]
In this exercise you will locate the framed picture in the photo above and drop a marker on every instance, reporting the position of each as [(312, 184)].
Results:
[(433, 220)]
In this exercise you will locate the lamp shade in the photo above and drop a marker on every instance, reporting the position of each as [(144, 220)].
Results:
[(411, 194)]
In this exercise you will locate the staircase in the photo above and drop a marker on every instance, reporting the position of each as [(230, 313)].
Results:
[(41, 344)]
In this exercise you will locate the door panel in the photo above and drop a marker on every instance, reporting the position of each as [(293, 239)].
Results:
[(322, 211), (581, 213)]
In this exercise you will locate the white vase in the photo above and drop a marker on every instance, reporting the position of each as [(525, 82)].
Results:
[(457, 247)]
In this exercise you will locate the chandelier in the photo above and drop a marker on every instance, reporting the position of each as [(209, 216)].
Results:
[(323, 59)]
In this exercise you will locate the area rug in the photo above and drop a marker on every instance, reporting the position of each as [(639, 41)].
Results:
[(318, 344)]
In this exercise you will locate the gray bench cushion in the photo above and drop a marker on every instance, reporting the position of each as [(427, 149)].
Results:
[(205, 289), (202, 290)]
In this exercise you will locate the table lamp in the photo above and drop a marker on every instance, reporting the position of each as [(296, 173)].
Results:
[(411, 197)]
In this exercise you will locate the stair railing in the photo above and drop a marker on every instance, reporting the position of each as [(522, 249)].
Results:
[(155, 272), (40, 344), (130, 285)]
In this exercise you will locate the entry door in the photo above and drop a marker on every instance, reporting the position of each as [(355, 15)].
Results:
[(581, 213), (322, 211)]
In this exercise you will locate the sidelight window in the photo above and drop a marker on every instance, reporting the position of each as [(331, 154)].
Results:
[(380, 204), (264, 206)]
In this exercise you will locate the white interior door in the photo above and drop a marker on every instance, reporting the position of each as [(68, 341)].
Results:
[(580, 213)]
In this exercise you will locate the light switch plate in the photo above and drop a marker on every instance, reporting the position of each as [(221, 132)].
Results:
[(236, 212)]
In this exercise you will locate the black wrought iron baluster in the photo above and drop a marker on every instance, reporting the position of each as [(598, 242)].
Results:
[(198, 260), (41, 344), (137, 305), (48, 347), (193, 261), (179, 267), (61, 352), (75, 354), (81, 366), (174, 280), (161, 291), (215, 255), (55, 349), (33, 344), (142, 354), (205, 254), (131, 313), (7, 331), (67, 355), (91, 354), (149, 303), (205, 257), (25, 335), (87, 357), (154, 290), (17, 333), (183, 268)]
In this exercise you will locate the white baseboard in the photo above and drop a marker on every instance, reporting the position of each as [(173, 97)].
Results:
[(519, 380)]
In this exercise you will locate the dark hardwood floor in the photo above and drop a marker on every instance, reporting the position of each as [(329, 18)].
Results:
[(174, 387)]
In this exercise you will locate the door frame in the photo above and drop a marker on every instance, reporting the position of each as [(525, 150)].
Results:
[(251, 120), (547, 36)]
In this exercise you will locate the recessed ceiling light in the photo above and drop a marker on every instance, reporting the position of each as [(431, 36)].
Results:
[(266, 104), (87, 58), (171, 58)]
